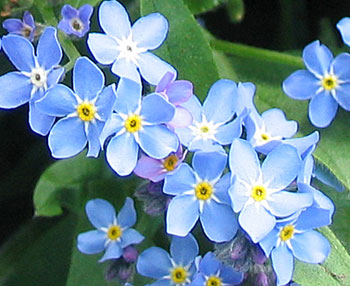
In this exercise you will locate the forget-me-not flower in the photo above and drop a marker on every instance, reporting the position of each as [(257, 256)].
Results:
[(326, 82), (75, 21), (212, 126), (211, 272), (85, 109), (113, 232), (25, 27), (257, 192), (127, 47), (294, 237), (37, 72), (138, 123), (201, 193), (176, 269)]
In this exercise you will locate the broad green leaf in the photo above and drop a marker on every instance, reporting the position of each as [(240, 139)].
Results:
[(198, 7), (186, 47), (334, 271)]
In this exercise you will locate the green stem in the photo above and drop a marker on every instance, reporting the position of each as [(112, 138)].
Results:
[(244, 51)]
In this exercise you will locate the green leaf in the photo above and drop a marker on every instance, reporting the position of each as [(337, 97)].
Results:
[(62, 182), (235, 9), (198, 7), (79, 3), (334, 271), (186, 47)]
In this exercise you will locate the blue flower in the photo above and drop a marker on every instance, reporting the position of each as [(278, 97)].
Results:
[(75, 21), (36, 74), (138, 123), (113, 232), (212, 126), (127, 48), (344, 28), (257, 192), (294, 238), (201, 193), (213, 273), (85, 111), (174, 269), (25, 28), (325, 82)]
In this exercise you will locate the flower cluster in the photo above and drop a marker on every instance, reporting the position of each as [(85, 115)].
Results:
[(248, 174)]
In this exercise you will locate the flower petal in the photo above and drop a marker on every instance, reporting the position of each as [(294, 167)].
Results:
[(182, 215), (13, 25), (85, 13), (342, 96), (218, 221), (179, 91), (277, 124), (154, 262), (180, 181), (100, 213), (322, 109), (344, 28), (209, 165), (106, 101), (91, 242), (150, 31), (103, 47), (14, 95), (49, 52), (113, 125), (69, 12), (131, 236), (184, 250), (39, 122), (127, 216), (156, 109), (181, 119), (126, 69), (88, 80), (113, 251), (149, 168), (239, 194), (269, 241), (209, 265), (93, 134), (283, 264), (226, 133), (128, 96)]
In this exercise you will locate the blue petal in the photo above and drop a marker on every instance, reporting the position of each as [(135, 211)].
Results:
[(105, 102), (317, 58), (39, 122), (302, 144), (113, 251), (226, 133), (310, 247), (218, 221), (153, 68), (209, 165), (185, 135), (239, 194), (114, 19), (281, 167), (91, 242), (162, 282), (179, 181), (301, 85), (85, 13), (209, 265), (67, 138), (128, 96), (209, 145), (20, 52), (93, 133), (182, 215), (14, 95), (122, 152), (156, 109), (54, 76), (277, 124), (184, 250), (244, 98), (221, 189), (69, 12), (269, 241), (150, 31), (283, 264), (230, 276), (131, 236), (344, 28), (127, 215), (88, 80), (154, 262), (126, 69), (113, 125), (342, 96), (219, 105), (195, 107), (100, 213), (199, 280), (49, 53), (58, 101), (341, 67), (158, 141), (322, 109), (104, 48), (13, 25), (286, 203), (256, 221), (244, 161)]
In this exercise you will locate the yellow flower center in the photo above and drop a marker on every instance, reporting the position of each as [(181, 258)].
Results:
[(170, 162), (213, 281), (86, 111), (287, 232), (329, 82), (204, 129), (114, 232), (133, 123), (258, 193), (179, 275), (203, 191), (265, 137)]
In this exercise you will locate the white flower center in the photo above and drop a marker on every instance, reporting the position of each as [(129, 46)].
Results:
[(38, 77), (203, 130), (129, 50), (77, 24)]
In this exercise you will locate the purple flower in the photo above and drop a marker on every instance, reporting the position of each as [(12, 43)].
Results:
[(75, 21), (25, 27)]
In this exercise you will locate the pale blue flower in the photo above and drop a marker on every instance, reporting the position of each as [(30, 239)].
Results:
[(344, 28)]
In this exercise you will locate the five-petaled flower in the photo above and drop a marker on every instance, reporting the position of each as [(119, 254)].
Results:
[(25, 27)]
